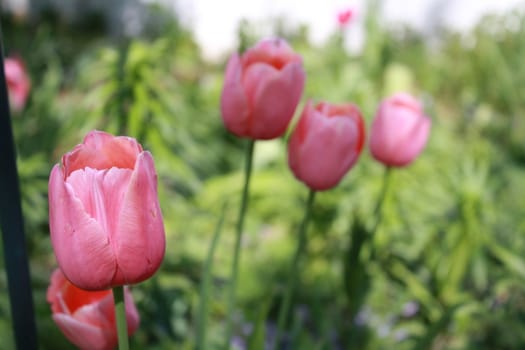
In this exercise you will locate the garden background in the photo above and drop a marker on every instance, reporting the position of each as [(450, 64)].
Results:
[(452, 242)]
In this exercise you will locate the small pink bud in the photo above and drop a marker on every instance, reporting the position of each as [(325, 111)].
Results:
[(262, 89), (325, 144), (399, 131)]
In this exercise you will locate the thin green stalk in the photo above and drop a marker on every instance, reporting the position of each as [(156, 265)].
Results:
[(378, 211), (205, 286), (238, 238), (123, 89), (293, 273), (120, 316)]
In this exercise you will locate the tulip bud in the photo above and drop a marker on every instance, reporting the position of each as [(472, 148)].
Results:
[(261, 90), (399, 131), (325, 144), (87, 318), (18, 83), (104, 214)]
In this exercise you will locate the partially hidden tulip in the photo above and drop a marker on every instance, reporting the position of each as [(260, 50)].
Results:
[(87, 318), (399, 131), (105, 219), (261, 90), (325, 144), (18, 82)]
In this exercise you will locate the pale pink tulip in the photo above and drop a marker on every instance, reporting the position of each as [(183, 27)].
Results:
[(399, 131), (105, 220), (262, 89), (87, 318), (18, 83), (326, 143)]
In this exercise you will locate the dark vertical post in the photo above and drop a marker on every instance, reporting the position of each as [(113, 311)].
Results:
[(11, 225)]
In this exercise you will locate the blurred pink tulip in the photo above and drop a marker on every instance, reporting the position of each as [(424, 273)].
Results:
[(326, 143), (399, 131), (18, 83), (87, 318), (262, 89), (105, 219), (345, 16)]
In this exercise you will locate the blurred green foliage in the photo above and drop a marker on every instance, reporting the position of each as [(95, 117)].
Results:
[(450, 270)]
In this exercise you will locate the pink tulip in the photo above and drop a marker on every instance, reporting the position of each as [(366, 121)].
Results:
[(105, 220), (87, 318), (262, 89), (325, 144), (399, 131), (18, 83)]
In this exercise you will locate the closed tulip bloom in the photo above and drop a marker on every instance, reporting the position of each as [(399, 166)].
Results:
[(399, 131), (18, 83), (87, 318), (105, 220), (325, 144), (261, 90)]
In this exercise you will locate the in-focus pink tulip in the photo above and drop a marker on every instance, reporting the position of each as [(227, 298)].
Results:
[(399, 131), (105, 219), (326, 143), (87, 318), (262, 89), (18, 83)]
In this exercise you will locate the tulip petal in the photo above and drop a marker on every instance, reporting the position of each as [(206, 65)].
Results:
[(234, 104), (96, 313), (85, 335), (102, 193), (139, 241), (65, 297), (412, 143), (254, 78), (101, 150), (106, 307), (275, 100), (78, 240), (54, 291), (275, 52)]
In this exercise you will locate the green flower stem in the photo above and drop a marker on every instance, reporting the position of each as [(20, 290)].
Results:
[(120, 316), (123, 89), (293, 273), (238, 238), (378, 211), (205, 285)]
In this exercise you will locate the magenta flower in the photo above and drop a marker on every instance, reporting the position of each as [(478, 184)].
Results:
[(345, 16)]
